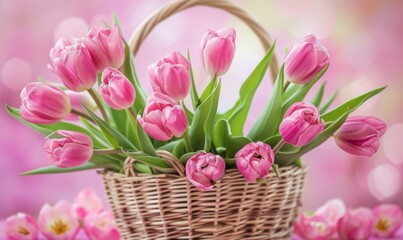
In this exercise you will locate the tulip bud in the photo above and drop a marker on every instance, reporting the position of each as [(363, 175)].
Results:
[(77, 99), (305, 59), (73, 150), (360, 135), (301, 124), (87, 202), (44, 103), (74, 66), (387, 219), (116, 89), (355, 224), (202, 169), (332, 211), (312, 227), (101, 226), (171, 76), (58, 222), (254, 160), (105, 46), (218, 50), (21, 227), (163, 118)]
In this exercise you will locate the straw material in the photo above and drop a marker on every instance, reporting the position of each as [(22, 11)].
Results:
[(167, 206)]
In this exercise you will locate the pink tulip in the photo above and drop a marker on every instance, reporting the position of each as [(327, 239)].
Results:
[(105, 46), (387, 219), (218, 50), (360, 135), (116, 89), (74, 66), (171, 76), (332, 211), (101, 226), (163, 118), (305, 59), (77, 100), (73, 150), (301, 124), (314, 227), (254, 160), (44, 103), (202, 169), (56, 51), (21, 227), (87, 202), (355, 224), (58, 222)]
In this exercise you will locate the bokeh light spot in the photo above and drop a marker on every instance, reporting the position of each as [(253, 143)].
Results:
[(16, 73), (384, 181), (71, 27), (392, 143)]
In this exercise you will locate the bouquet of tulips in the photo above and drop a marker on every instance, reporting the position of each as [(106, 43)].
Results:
[(119, 121)]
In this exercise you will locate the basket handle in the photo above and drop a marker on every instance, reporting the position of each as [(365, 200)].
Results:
[(176, 6)]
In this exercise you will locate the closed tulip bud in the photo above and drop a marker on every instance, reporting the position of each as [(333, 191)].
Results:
[(72, 150), (171, 76), (163, 118), (44, 103), (360, 135), (332, 211), (305, 59), (202, 169), (254, 160), (105, 46), (87, 202), (387, 219), (314, 227), (74, 66), (116, 89), (58, 222), (77, 99), (355, 224), (218, 50), (21, 227), (301, 124), (101, 226)]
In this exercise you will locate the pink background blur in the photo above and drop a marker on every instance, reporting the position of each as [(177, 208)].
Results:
[(364, 39)]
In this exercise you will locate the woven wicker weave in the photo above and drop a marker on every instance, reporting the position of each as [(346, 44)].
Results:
[(167, 206)]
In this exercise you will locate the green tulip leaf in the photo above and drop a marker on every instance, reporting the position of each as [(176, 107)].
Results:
[(323, 108), (317, 98), (193, 91)]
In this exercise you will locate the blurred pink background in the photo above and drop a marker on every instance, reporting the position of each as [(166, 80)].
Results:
[(364, 39)]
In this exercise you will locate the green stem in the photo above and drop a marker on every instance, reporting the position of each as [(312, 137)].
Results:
[(108, 151), (287, 83), (99, 104), (132, 114), (188, 144), (279, 145), (81, 114)]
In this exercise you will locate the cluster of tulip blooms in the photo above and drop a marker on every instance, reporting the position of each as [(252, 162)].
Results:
[(205, 141), (333, 219), (63, 220)]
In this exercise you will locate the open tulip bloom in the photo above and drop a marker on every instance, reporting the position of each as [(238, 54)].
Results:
[(131, 123)]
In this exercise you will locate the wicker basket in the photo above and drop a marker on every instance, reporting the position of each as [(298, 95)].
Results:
[(167, 206)]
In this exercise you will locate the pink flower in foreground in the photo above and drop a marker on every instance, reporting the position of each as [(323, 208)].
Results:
[(171, 76), (305, 59), (360, 135), (101, 226), (116, 89), (254, 160), (218, 50), (314, 227), (86, 202), (72, 150), (301, 124), (21, 227), (58, 222), (44, 103), (105, 46), (74, 66), (355, 224), (387, 219), (332, 210), (163, 118), (202, 169), (77, 99)]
